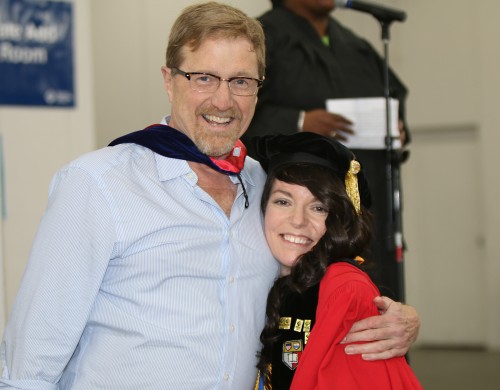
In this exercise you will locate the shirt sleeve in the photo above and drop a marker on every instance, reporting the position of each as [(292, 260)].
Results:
[(69, 257)]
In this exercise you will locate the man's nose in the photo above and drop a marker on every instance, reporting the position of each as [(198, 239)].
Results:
[(222, 98)]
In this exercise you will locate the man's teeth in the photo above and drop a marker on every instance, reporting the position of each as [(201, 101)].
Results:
[(295, 239), (217, 119)]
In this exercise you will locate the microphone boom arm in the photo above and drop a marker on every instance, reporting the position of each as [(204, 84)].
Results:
[(381, 13)]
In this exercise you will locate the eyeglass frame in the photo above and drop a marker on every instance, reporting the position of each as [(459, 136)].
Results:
[(188, 75)]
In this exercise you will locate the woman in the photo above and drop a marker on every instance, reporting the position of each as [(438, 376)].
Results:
[(315, 204)]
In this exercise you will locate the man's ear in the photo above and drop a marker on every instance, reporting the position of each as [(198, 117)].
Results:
[(167, 81)]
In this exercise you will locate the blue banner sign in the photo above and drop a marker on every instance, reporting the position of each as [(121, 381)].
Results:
[(36, 53)]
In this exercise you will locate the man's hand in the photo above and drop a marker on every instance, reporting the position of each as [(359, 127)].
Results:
[(388, 335)]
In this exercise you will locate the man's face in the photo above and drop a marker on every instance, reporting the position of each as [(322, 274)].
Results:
[(213, 121)]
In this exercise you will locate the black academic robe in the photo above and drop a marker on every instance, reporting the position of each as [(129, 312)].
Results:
[(297, 317)]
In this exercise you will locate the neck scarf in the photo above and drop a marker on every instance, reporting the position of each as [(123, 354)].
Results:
[(169, 142)]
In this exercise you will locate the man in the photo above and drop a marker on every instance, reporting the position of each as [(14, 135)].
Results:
[(150, 268)]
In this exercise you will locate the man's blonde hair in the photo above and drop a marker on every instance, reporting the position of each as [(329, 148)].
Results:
[(198, 22)]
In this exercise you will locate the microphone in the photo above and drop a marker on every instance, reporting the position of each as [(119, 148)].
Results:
[(383, 14)]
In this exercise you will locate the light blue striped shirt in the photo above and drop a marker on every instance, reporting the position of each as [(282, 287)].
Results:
[(138, 280)]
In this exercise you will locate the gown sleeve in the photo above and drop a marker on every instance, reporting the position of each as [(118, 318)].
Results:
[(324, 364)]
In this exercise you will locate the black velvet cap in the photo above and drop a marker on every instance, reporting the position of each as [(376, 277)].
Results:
[(274, 151)]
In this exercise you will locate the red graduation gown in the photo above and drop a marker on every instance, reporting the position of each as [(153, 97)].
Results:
[(345, 296)]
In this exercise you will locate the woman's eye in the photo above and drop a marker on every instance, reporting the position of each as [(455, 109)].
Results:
[(321, 209), (281, 202)]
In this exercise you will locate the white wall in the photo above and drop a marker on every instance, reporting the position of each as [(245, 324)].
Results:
[(37, 141), (445, 52), (487, 65)]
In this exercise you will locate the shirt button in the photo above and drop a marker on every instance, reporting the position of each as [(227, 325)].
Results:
[(226, 377), (231, 328), (231, 279)]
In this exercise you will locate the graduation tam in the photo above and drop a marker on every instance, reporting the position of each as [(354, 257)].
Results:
[(275, 151)]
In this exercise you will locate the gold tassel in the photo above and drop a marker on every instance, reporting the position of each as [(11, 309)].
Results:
[(256, 386), (351, 185), (267, 379), (359, 260)]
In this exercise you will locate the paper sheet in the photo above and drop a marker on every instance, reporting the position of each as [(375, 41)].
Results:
[(369, 121)]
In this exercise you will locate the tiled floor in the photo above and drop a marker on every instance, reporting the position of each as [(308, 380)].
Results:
[(456, 369)]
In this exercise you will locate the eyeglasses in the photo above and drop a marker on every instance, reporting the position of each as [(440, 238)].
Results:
[(206, 82)]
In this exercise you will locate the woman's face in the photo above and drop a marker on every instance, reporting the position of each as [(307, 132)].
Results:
[(294, 222)]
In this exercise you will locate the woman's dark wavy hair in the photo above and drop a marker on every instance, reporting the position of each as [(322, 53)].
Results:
[(347, 235)]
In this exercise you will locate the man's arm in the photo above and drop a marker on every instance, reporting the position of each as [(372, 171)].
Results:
[(389, 335), (69, 257)]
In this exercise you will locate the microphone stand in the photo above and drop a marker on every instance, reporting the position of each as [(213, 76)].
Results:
[(393, 160)]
